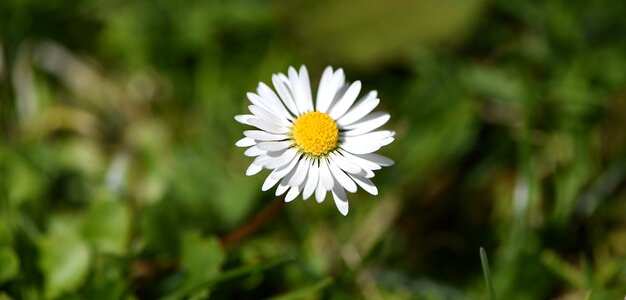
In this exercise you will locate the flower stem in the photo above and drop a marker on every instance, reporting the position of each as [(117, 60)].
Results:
[(254, 224)]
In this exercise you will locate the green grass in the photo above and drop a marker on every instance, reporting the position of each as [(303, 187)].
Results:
[(119, 178)]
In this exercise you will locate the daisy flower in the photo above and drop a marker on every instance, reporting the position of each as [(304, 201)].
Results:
[(315, 147)]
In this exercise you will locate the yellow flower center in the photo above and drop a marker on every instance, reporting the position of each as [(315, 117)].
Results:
[(315, 133)]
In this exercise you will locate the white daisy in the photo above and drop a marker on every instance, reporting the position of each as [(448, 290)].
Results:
[(320, 147)]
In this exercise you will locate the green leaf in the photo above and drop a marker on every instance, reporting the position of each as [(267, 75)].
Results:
[(202, 257), (108, 226), (9, 264), (64, 260)]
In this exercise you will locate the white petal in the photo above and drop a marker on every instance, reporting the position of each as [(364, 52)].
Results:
[(264, 114), (374, 136), (300, 174), (306, 87), (243, 119), (341, 200), (323, 91), (344, 163), (284, 183), (245, 142), (326, 179), (283, 170), (366, 173), (261, 159), (359, 146), (365, 184), (377, 159), (343, 104), (320, 193), (363, 163), (258, 101), (261, 135), (284, 158), (253, 151), (342, 178), (284, 93), (366, 124), (276, 105), (267, 126), (312, 180), (274, 146), (387, 141), (269, 182), (334, 87), (281, 189), (292, 194), (360, 109), (298, 91), (253, 169)]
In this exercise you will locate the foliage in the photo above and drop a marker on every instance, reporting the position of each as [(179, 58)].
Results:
[(119, 177)]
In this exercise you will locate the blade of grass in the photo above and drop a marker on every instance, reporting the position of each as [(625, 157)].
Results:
[(228, 275), (487, 272), (306, 291)]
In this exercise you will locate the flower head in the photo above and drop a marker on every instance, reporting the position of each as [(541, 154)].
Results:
[(315, 148)]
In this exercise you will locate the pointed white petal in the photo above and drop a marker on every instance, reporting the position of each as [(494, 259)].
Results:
[(341, 200), (342, 178), (284, 183), (261, 135), (261, 159), (365, 184), (306, 87), (367, 124), (281, 189), (270, 117), (274, 146), (334, 87), (253, 151), (312, 180), (374, 136), (323, 91), (245, 142), (359, 146), (297, 91), (253, 169), (277, 106), (258, 101), (292, 194), (326, 179), (320, 193), (366, 173), (301, 171), (267, 126), (377, 159), (344, 163), (387, 141), (360, 109), (343, 104), (363, 163), (269, 182), (283, 170), (284, 94), (243, 119), (282, 159)]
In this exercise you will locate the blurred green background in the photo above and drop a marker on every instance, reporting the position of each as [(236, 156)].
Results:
[(119, 177)]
